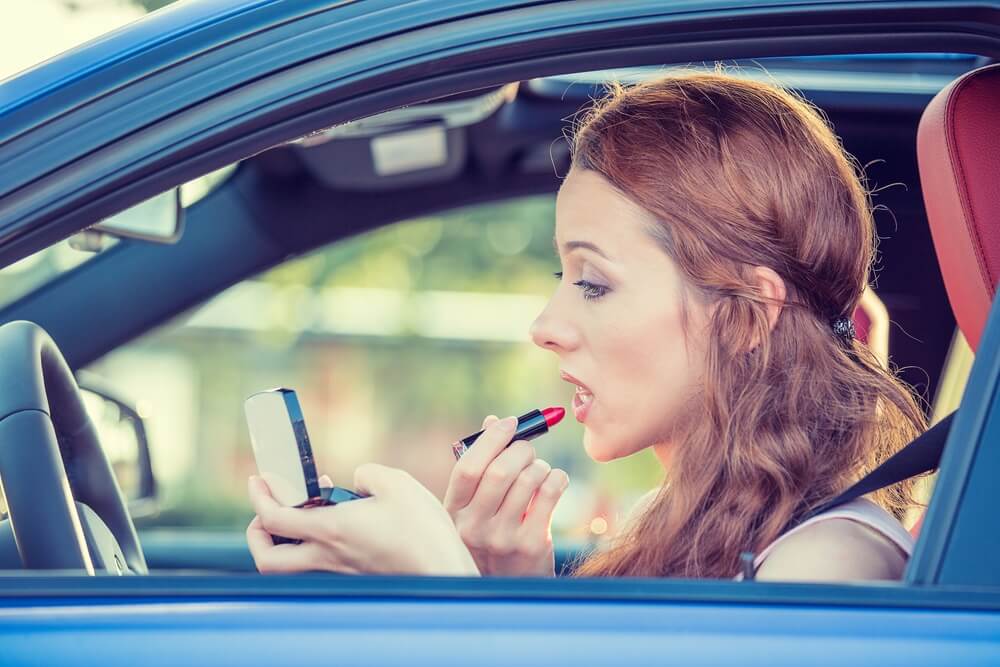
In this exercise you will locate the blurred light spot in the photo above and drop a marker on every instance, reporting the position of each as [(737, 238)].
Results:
[(144, 408), (419, 237), (508, 237), (389, 268), (599, 525)]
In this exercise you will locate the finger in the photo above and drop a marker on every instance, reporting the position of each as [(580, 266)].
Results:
[(258, 539), (467, 473), (524, 488), (539, 516), (277, 519), (489, 420), (273, 559), (372, 479), (324, 480), (499, 478)]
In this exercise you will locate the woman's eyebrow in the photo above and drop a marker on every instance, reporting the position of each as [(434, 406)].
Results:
[(573, 245)]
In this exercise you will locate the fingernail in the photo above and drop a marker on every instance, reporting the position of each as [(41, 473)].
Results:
[(508, 423)]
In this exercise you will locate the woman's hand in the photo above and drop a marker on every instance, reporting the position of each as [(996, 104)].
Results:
[(400, 529), (502, 501)]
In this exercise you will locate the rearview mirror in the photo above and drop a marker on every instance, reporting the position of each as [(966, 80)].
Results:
[(123, 437), (158, 220)]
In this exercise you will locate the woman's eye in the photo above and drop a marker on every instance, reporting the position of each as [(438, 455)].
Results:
[(590, 290), (558, 275)]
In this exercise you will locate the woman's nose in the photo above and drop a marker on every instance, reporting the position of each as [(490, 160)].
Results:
[(550, 332)]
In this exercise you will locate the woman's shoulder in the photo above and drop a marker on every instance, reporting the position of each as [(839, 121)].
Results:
[(860, 541)]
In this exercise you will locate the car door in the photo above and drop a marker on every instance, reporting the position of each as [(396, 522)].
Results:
[(190, 100)]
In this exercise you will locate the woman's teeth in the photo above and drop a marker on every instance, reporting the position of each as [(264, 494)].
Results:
[(581, 404)]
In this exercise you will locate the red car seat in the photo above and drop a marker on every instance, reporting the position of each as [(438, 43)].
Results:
[(958, 153)]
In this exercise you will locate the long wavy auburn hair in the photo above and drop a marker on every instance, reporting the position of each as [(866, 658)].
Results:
[(740, 174)]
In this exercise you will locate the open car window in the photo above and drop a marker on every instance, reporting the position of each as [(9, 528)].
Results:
[(400, 340)]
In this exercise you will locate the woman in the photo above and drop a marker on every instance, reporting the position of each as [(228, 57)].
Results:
[(715, 240)]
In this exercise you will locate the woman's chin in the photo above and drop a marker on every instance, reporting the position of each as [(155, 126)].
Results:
[(603, 449), (596, 449)]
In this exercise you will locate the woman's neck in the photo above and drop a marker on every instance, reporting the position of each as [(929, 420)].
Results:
[(664, 452)]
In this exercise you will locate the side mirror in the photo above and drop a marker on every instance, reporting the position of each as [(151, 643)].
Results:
[(123, 436)]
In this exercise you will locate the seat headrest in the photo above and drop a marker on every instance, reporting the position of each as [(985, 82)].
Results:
[(958, 151)]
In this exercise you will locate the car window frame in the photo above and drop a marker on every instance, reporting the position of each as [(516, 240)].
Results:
[(66, 586)]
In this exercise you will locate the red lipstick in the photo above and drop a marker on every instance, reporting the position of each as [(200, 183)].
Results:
[(529, 426), (553, 416)]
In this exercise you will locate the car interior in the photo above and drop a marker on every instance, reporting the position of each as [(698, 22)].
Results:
[(436, 161)]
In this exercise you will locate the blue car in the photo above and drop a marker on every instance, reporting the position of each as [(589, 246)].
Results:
[(163, 189)]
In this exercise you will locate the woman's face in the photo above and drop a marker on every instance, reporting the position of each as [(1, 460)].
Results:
[(615, 321)]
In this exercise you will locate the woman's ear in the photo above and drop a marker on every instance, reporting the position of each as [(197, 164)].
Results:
[(772, 288)]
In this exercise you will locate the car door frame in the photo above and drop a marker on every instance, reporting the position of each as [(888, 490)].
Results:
[(956, 546)]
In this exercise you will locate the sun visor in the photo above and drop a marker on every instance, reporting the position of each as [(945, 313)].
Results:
[(417, 145)]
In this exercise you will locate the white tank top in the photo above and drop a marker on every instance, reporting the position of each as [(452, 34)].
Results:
[(862, 511)]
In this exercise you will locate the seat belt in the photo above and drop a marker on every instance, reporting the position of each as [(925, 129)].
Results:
[(920, 456)]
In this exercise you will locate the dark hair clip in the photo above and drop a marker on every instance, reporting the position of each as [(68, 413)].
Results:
[(843, 328)]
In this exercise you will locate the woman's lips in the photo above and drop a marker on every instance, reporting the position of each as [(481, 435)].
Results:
[(582, 399)]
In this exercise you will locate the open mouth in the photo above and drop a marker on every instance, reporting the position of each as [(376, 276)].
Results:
[(582, 399)]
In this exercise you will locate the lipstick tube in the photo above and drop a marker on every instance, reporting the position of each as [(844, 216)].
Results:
[(529, 426)]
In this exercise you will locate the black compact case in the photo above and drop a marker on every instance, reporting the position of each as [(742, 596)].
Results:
[(318, 496), (274, 414)]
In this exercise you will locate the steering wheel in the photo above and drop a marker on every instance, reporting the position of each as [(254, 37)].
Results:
[(61, 492)]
